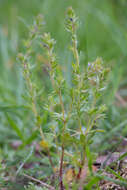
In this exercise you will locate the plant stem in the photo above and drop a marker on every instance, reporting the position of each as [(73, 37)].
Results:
[(34, 107), (50, 55), (80, 168), (75, 51), (62, 154), (38, 181), (31, 92), (61, 170)]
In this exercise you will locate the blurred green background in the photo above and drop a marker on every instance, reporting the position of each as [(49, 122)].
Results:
[(102, 32)]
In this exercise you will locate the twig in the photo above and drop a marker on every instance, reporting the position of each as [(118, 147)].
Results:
[(121, 100), (42, 183)]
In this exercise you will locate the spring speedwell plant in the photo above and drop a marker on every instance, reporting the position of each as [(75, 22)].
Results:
[(74, 109)]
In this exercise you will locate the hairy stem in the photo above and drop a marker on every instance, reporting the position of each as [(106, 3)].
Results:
[(61, 170), (50, 54), (75, 51), (62, 154), (34, 107)]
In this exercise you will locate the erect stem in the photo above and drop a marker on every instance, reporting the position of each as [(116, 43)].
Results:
[(62, 107), (50, 55), (80, 168), (75, 49), (76, 56), (62, 154), (61, 170), (32, 91), (79, 173)]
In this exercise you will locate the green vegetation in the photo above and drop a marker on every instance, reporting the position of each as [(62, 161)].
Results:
[(52, 105)]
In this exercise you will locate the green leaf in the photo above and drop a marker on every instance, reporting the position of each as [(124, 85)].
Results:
[(67, 139), (82, 139), (122, 156), (93, 181), (12, 108), (89, 158), (30, 139), (115, 174), (15, 127), (119, 182)]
